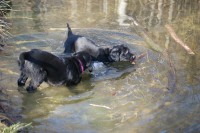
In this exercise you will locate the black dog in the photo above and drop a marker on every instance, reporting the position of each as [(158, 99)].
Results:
[(77, 43), (43, 66)]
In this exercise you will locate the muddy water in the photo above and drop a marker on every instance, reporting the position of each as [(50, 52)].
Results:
[(115, 98)]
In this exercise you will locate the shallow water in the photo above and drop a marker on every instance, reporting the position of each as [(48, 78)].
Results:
[(118, 97)]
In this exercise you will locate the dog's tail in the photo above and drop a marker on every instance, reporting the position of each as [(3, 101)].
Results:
[(69, 30)]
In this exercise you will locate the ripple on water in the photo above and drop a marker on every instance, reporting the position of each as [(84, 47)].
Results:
[(113, 98)]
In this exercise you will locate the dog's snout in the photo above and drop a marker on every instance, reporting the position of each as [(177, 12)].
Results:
[(133, 57)]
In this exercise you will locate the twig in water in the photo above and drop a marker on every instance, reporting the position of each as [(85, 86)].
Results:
[(101, 106), (178, 40), (141, 56)]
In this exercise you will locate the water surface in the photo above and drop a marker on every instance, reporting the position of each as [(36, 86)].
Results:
[(119, 97)]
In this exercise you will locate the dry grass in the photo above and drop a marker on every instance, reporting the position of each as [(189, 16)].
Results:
[(15, 128), (5, 7)]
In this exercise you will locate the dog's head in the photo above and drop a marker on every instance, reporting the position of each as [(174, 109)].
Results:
[(85, 59), (121, 53)]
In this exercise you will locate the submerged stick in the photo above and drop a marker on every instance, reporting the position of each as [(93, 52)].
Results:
[(139, 57), (101, 106), (171, 73), (178, 40)]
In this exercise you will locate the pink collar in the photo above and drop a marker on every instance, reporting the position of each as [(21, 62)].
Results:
[(81, 65)]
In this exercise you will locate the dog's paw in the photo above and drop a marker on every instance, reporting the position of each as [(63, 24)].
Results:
[(31, 89), (20, 82)]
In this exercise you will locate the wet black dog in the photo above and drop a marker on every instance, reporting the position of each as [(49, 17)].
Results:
[(77, 43), (43, 66)]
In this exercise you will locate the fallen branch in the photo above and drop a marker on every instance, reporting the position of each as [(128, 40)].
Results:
[(178, 40), (171, 73)]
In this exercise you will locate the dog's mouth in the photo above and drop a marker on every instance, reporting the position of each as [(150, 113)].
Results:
[(133, 63)]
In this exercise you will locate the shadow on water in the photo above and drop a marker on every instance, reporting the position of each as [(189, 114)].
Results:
[(118, 97)]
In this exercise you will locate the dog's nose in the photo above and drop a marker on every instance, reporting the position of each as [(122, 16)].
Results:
[(133, 57)]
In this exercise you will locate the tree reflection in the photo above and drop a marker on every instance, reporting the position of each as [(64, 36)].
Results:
[(152, 15)]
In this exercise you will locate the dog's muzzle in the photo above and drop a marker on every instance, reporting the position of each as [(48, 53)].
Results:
[(132, 59)]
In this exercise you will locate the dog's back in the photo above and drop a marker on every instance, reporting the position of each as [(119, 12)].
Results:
[(77, 43), (49, 62)]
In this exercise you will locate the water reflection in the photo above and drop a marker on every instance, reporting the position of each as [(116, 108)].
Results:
[(122, 13), (42, 15), (46, 99), (136, 102), (39, 9)]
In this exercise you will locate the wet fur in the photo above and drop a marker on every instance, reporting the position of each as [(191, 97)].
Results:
[(77, 43), (43, 66)]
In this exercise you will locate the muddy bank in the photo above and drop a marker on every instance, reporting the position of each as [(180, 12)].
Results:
[(5, 7)]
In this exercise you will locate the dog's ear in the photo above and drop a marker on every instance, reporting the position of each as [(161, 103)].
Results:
[(87, 58), (107, 50)]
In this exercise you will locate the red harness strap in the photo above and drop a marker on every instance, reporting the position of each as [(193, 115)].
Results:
[(81, 65)]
